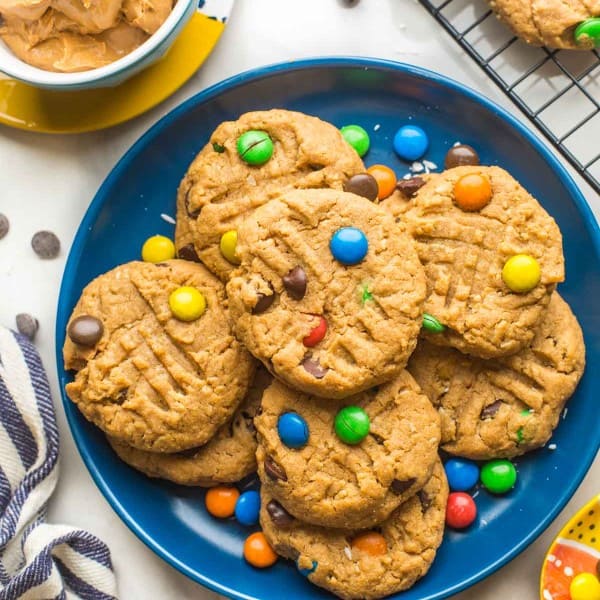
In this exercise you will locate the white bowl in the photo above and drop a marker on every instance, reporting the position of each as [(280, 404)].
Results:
[(110, 75)]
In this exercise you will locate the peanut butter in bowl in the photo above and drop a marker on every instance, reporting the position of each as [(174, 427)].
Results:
[(78, 35)]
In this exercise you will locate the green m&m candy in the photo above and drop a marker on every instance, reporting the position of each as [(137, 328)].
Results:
[(431, 324), (357, 137), (255, 147), (352, 424), (587, 33), (498, 476)]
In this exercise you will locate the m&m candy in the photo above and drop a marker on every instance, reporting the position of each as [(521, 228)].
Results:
[(585, 586), (258, 552), (317, 333), (362, 184), (255, 147), (158, 248), (357, 137), (247, 508), (521, 273), (461, 155), (349, 245), (588, 32), (386, 180), (187, 303), (410, 142), (220, 501), (461, 510), (306, 566), (293, 430), (228, 244), (462, 474), (352, 424), (431, 324), (472, 192), (370, 542), (498, 476)]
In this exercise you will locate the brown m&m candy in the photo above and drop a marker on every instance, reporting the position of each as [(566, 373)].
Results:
[(363, 184), (461, 155), (85, 330)]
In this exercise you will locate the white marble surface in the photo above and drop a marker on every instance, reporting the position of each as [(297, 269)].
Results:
[(46, 182)]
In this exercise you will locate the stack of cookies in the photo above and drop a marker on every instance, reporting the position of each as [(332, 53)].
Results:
[(332, 343)]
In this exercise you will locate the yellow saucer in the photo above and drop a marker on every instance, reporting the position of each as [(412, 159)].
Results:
[(49, 111), (576, 549)]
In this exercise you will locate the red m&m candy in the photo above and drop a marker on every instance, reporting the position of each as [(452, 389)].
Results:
[(461, 510), (316, 334)]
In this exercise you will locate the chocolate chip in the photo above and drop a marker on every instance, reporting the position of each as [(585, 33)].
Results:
[(399, 486), (122, 396), (461, 155), (379, 439), (263, 303), (85, 330), (280, 517), (191, 214), (249, 421), (45, 244), (287, 551), (410, 187), (188, 252), (364, 185), (313, 366), (4, 225), (489, 411), (424, 499), (295, 283), (274, 471), (27, 325)]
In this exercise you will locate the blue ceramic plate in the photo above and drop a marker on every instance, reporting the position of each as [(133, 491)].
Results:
[(381, 96)]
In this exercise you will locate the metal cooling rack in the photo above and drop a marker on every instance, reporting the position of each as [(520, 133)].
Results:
[(558, 90)]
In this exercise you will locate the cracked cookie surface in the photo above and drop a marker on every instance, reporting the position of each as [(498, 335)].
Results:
[(289, 281), (152, 381), (464, 252), (219, 189), (228, 457), (508, 406), (330, 483), (412, 536), (549, 23)]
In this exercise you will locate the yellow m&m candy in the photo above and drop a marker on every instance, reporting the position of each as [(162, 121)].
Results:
[(585, 586), (187, 303), (158, 248), (521, 273), (228, 244)]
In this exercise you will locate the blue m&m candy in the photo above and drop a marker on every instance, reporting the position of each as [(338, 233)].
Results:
[(293, 430), (349, 245), (306, 569), (410, 142), (247, 508), (462, 474)]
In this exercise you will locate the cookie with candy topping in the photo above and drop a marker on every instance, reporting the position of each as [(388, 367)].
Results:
[(230, 177), (504, 407), (364, 565), (469, 223), (341, 474), (143, 375), (227, 457), (329, 292), (552, 23)]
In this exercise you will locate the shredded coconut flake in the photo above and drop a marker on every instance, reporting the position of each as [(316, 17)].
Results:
[(348, 552), (551, 446), (407, 176), (430, 165), (167, 218), (376, 127), (476, 494), (564, 415), (484, 522), (455, 144), (417, 167)]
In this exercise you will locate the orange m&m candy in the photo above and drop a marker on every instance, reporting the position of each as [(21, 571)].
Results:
[(220, 501), (258, 552), (385, 178), (371, 542), (472, 192)]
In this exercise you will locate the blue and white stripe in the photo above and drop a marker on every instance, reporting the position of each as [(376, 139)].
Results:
[(38, 561)]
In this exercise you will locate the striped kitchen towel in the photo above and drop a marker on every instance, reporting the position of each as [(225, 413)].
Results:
[(38, 561)]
